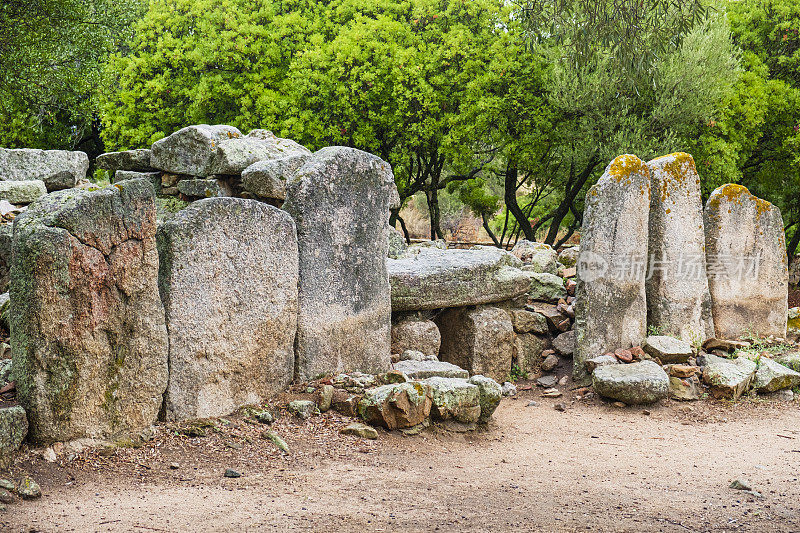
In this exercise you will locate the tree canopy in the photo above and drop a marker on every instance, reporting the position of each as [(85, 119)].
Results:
[(513, 108)]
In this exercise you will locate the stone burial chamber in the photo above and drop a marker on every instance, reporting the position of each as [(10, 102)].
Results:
[(117, 320)]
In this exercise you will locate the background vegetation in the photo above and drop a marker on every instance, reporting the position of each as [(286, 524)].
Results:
[(510, 110)]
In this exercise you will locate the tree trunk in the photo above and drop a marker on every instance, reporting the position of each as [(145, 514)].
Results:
[(510, 195), (489, 230), (791, 248), (574, 187)]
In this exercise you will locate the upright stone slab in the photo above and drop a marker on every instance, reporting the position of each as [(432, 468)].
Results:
[(478, 339), (678, 299), (747, 266), (87, 324), (611, 308), (340, 202), (58, 169), (228, 279)]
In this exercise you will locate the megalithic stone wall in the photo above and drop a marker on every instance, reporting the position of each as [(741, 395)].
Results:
[(611, 307), (228, 279), (747, 265), (340, 202), (678, 299), (87, 328)]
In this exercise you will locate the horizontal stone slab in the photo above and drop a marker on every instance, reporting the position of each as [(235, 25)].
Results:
[(434, 278)]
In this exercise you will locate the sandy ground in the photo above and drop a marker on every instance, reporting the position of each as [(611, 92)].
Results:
[(593, 467)]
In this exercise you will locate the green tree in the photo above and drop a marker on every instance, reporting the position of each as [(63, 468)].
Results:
[(597, 112), (757, 140), (51, 58), (204, 61), (395, 81)]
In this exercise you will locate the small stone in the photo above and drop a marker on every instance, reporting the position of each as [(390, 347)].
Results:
[(392, 376), (231, 473), (360, 430), (6, 484), (28, 489), (547, 381), (623, 355), (784, 395), (532, 404), (264, 416), (49, 455), (729, 346), (686, 389), (741, 484), (303, 409), (174, 466), (429, 369), (6, 497), (560, 407), (638, 353), (682, 371), (563, 381), (325, 397), (276, 440), (619, 404), (490, 395), (600, 360), (668, 349), (565, 343), (550, 362), (551, 393), (729, 378), (646, 412), (509, 389)]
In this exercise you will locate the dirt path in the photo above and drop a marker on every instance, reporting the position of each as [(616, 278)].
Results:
[(593, 467)]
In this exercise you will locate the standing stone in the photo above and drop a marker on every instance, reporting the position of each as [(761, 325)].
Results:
[(191, 150), (678, 299), (479, 340), (340, 202), (611, 307), (228, 278), (58, 169), (411, 333), (747, 266), (87, 324)]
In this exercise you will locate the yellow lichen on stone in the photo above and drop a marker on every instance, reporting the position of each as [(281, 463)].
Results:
[(623, 166)]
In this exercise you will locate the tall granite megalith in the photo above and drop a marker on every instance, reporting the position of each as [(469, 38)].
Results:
[(87, 324), (678, 299), (747, 267), (228, 279), (611, 307), (340, 202)]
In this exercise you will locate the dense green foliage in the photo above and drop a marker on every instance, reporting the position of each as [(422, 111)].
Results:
[(513, 108), (52, 55)]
